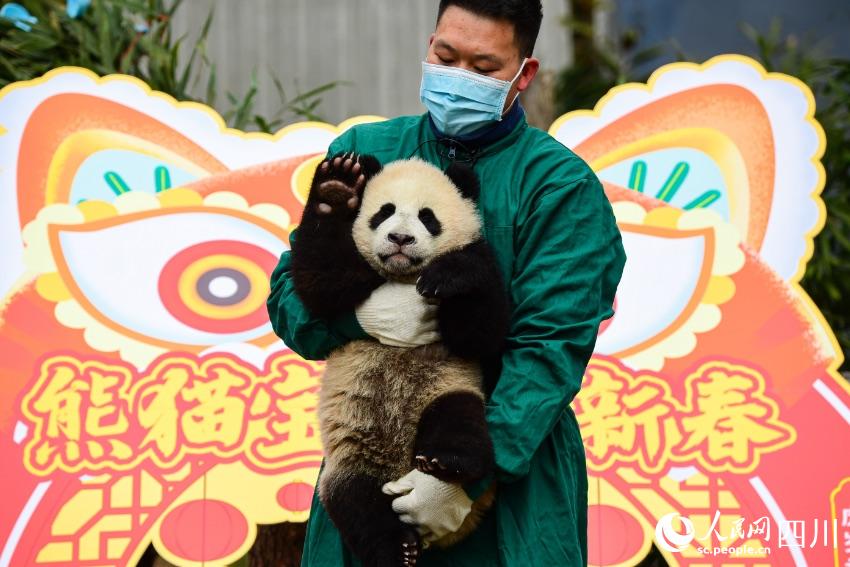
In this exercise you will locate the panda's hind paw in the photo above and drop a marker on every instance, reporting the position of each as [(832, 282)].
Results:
[(426, 465), (339, 184), (446, 467), (410, 548)]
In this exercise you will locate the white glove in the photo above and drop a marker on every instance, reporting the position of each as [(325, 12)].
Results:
[(434, 506), (397, 315)]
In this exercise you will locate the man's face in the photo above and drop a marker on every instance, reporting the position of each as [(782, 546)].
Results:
[(484, 46)]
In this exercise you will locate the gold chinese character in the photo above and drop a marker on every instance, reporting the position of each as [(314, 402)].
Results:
[(729, 421), (157, 408), (292, 421), (620, 415), (83, 415), (216, 417)]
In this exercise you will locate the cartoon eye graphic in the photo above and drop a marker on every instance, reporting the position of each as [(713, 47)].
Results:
[(683, 177), (98, 178), (722, 136), (675, 277), (175, 278), (688, 168), (663, 281), (218, 286)]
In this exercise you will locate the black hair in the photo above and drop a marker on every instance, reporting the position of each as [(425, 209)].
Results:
[(525, 15)]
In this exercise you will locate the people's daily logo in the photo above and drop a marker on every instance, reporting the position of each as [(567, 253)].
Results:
[(669, 538)]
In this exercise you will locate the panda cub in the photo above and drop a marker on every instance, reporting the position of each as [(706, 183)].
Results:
[(384, 410)]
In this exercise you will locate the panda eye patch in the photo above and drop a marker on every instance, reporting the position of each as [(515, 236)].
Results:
[(429, 220), (386, 211)]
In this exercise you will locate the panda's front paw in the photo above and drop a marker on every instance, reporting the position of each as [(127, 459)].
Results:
[(339, 183), (442, 280)]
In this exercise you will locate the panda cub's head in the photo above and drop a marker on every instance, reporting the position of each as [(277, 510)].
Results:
[(412, 212)]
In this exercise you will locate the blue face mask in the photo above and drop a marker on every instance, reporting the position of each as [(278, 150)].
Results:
[(462, 102)]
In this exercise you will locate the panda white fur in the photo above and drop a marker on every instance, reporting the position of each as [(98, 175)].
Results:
[(384, 410)]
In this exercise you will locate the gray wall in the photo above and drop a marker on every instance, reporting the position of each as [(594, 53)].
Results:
[(377, 45)]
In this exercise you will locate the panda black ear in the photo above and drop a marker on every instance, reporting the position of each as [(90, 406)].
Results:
[(465, 180)]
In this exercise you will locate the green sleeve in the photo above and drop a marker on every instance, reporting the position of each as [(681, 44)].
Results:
[(569, 260), (309, 336), (342, 143)]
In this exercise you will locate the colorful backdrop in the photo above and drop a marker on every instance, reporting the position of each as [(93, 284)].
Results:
[(144, 397)]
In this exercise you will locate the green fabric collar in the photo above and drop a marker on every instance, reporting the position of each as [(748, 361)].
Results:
[(441, 152)]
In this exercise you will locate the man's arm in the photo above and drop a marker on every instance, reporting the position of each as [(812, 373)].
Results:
[(568, 263)]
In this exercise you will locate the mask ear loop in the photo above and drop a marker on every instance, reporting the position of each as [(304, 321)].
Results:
[(518, 73), (521, 67)]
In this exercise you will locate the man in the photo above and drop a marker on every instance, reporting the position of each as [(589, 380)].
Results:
[(557, 244)]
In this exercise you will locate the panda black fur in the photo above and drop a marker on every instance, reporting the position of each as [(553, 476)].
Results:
[(380, 406)]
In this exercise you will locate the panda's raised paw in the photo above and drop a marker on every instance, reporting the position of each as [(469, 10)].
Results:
[(339, 183)]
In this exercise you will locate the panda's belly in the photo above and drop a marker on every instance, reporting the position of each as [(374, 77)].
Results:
[(371, 400)]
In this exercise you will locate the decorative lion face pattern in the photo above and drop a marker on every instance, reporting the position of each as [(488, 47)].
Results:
[(145, 397)]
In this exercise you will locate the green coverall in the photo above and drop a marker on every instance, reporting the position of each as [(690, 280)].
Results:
[(559, 249)]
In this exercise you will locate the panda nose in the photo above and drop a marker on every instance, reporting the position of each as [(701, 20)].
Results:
[(400, 239)]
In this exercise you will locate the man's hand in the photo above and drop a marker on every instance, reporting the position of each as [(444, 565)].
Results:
[(435, 507), (397, 315)]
